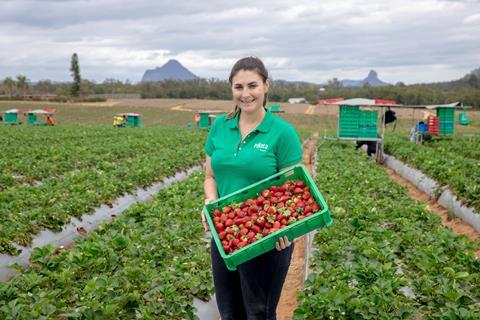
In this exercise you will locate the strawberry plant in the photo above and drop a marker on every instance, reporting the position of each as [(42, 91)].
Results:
[(386, 257), (453, 162), (138, 158), (148, 263)]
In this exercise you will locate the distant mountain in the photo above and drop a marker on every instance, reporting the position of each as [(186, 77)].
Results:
[(475, 72), (371, 80), (470, 80), (172, 70)]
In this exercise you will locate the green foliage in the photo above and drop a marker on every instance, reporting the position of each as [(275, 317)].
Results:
[(409, 95), (453, 162), (148, 263), (386, 256), (75, 70), (49, 176)]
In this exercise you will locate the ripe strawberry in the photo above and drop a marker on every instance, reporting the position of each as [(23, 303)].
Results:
[(228, 223), (227, 249), (271, 210), (241, 244), (216, 220), (219, 227), (265, 193), (266, 232), (306, 195), (234, 242), (307, 209), (222, 235), (276, 225), (315, 207), (256, 229), (216, 213), (297, 190), (278, 194), (261, 221), (244, 231), (226, 209), (300, 183), (251, 234), (260, 201)]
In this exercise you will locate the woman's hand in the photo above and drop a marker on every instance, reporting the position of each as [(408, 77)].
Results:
[(283, 243), (204, 220), (205, 223)]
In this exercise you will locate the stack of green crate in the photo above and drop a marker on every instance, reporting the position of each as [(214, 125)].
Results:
[(348, 121), (447, 119), (367, 126)]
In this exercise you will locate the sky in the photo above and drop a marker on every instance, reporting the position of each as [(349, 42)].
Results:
[(413, 41)]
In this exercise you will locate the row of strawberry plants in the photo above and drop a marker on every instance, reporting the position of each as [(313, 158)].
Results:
[(30, 155), (25, 210), (454, 162), (386, 257), (147, 264)]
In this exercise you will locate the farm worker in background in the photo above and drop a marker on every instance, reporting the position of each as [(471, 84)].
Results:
[(243, 147), (426, 114), (50, 121), (118, 121)]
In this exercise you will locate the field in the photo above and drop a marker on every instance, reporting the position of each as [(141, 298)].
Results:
[(386, 256)]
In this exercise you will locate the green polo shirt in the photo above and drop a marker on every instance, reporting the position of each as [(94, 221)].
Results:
[(272, 146)]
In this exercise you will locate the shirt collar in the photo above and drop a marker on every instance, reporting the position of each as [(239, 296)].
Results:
[(264, 126)]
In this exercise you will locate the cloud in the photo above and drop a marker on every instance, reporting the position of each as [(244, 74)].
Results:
[(308, 40), (473, 19)]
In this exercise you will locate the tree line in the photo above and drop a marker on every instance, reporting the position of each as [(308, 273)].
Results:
[(465, 90)]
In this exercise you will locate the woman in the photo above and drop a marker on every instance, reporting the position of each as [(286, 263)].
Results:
[(243, 147)]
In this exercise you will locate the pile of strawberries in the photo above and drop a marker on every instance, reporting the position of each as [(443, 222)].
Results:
[(275, 208)]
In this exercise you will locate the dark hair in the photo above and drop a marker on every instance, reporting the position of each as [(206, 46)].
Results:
[(251, 64)]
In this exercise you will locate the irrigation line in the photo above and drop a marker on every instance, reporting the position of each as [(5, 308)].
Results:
[(88, 222)]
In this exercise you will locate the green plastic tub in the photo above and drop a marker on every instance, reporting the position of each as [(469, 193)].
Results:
[(295, 230)]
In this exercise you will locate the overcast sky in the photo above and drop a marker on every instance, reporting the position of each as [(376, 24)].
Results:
[(403, 40)]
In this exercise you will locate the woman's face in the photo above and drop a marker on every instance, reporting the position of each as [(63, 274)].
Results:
[(249, 90)]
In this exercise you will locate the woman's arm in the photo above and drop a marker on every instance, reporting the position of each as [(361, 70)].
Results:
[(209, 188)]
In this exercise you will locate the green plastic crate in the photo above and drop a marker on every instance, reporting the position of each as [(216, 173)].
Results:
[(295, 230)]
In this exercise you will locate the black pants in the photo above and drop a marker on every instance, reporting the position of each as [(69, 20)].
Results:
[(253, 290)]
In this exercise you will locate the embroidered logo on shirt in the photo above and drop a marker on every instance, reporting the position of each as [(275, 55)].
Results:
[(261, 146)]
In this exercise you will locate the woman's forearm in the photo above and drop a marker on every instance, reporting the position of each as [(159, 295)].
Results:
[(210, 189)]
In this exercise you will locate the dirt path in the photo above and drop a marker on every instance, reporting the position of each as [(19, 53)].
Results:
[(294, 282), (455, 224)]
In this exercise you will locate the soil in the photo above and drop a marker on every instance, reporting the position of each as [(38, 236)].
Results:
[(455, 224), (294, 282)]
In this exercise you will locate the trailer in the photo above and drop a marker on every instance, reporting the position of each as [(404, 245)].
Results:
[(11, 117), (34, 117), (129, 119)]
